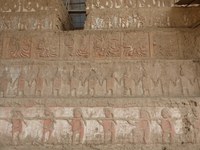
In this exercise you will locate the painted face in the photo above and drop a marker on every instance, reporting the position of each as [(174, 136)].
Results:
[(77, 113), (165, 113), (107, 113)]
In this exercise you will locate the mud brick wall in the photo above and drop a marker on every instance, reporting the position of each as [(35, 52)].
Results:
[(118, 14), (133, 89), (101, 45), (100, 79), (33, 15)]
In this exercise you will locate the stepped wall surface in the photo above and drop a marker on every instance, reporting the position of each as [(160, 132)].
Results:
[(129, 81)]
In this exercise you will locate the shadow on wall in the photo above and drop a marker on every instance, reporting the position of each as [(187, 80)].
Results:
[(187, 17), (77, 13)]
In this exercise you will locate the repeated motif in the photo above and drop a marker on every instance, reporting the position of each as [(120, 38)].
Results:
[(104, 125), (102, 80)]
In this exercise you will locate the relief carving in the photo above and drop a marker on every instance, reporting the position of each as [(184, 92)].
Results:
[(30, 5), (17, 121), (155, 3), (39, 82), (111, 80), (91, 125), (151, 79), (69, 46), (106, 4), (189, 79), (108, 124), (74, 81), (48, 125), (166, 45), (167, 126), (170, 79), (1, 45), (21, 83), (78, 126), (114, 46), (93, 81), (5, 81), (46, 47), (196, 125), (133, 48), (128, 83), (57, 82), (99, 44), (18, 47), (142, 127), (82, 46), (107, 45), (10, 6)]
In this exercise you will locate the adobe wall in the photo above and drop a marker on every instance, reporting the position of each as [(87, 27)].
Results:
[(118, 14), (141, 44), (133, 88), (32, 15)]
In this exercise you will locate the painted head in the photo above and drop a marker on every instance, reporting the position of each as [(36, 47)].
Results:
[(108, 113), (165, 113), (77, 113)]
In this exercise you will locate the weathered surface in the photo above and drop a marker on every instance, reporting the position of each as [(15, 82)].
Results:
[(101, 45), (126, 18), (100, 79), (136, 89), (32, 15)]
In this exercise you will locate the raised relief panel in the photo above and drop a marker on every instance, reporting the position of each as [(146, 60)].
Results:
[(188, 44), (102, 80), (152, 79), (118, 19), (170, 79), (197, 45), (165, 45), (189, 79), (29, 5), (8, 22), (76, 46), (143, 17), (10, 5), (162, 18), (117, 4), (94, 125), (106, 45), (67, 45), (1, 45), (17, 46), (136, 45), (182, 18), (24, 21), (81, 45), (155, 3), (46, 46), (5, 81)]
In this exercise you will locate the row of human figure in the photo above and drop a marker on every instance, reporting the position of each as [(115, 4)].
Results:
[(184, 83), (109, 123)]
